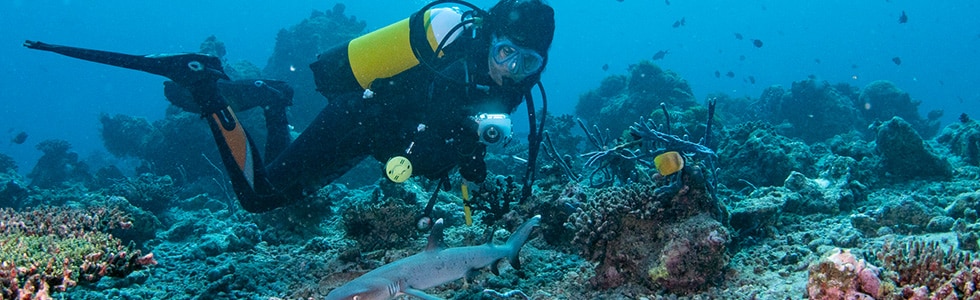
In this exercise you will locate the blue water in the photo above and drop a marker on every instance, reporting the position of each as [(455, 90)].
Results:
[(54, 97)]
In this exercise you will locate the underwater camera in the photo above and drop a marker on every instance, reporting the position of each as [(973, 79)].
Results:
[(493, 128)]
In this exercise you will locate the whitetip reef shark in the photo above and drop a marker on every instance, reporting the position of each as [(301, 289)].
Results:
[(434, 266)]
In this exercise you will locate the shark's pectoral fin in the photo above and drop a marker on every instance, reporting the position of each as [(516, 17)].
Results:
[(493, 268), (420, 294)]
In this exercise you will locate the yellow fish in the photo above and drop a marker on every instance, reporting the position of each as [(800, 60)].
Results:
[(669, 163)]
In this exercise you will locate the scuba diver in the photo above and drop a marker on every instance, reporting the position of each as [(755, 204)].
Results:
[(424, 95)]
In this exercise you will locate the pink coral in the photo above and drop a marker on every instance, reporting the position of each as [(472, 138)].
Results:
[(841, 275)]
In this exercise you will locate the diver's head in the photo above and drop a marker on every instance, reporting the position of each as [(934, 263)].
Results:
[(521, 32)]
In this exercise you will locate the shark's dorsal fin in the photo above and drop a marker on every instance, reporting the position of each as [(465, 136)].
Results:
[(435, 237)]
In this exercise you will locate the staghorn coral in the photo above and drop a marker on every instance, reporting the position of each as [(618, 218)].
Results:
[(49, 250)]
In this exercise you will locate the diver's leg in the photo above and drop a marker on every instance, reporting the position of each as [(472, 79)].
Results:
[(238, 153), (272, 96), (277, 131), (199, 75), (334, 143)]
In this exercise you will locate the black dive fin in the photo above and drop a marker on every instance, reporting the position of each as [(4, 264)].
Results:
[(435, 237), (183, 68)]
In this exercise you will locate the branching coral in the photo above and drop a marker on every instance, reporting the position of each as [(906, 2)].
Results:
[(51, 249), (925, 269)]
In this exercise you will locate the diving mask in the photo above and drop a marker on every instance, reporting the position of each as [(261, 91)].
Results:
[(519, 61)]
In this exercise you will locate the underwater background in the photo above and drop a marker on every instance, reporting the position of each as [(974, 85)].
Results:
[(810, 169)]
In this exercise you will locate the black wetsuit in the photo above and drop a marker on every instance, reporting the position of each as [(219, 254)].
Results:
[(417, 114), (422, 114)]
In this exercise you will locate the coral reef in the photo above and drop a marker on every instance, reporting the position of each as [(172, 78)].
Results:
[(146, 191), (881, 100), (811, 104), (50, 250), (387, 220), (963, 139), (925, 270), (905, 155), (7, 164), (757, 155), (842, 275), (620, 99), (58, 166), (640, 234)]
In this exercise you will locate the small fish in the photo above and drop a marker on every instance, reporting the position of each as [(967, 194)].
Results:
[(854, 66), (816, 60), (738, 36), (679, 23), (668, 163), (903, 18), (897, 60), (667, 2), (730, 74), (741, 57), (751, 79), (717, 74), (605, 67), (757, 43), (20, 138), (660, 54)]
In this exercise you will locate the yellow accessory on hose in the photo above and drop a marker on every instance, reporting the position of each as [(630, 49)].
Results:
[(467, 213)]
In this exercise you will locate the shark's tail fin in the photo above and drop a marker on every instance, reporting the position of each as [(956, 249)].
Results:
[(518, 238)]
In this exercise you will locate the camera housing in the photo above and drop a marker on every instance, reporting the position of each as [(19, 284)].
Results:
[(493, 128)]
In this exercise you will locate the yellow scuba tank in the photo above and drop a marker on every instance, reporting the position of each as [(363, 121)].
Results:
[(385, 52)]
